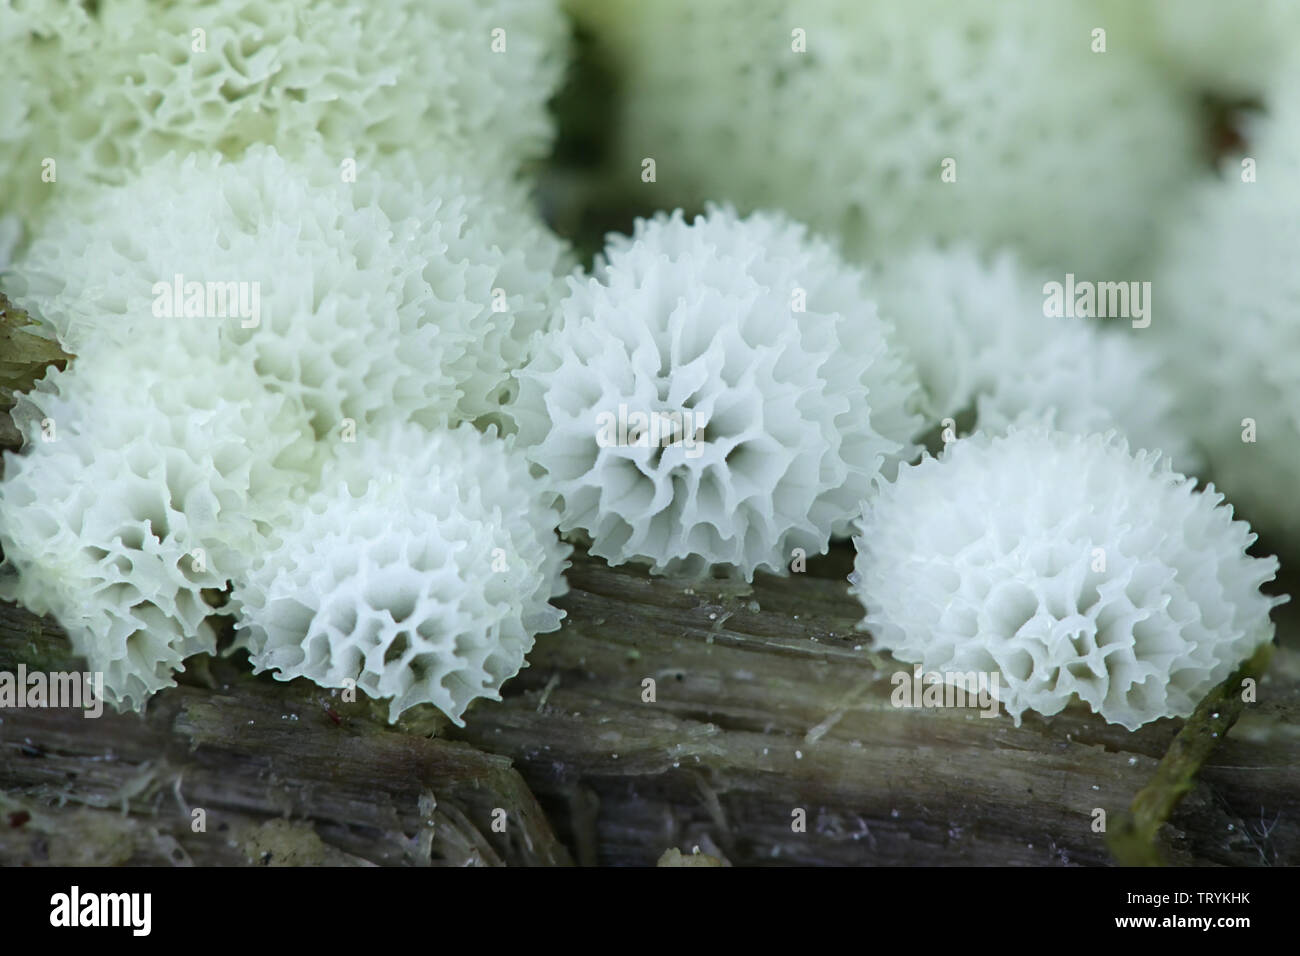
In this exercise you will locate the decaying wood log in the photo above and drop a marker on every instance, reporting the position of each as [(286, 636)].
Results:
[(125, 788), (768, 710)]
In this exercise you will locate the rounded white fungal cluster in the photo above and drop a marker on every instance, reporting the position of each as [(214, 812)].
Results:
[(883, 122), (104, 92), (1067, 567), (293, 251), (984, 341), (372, 301), (275, 228), (1227, 323), (719, 393), (421, 570), (149, 476)]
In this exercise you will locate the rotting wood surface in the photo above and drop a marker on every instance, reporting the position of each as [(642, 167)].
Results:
[(764, 706)]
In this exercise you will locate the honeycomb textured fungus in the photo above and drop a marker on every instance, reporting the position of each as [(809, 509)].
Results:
[(1067, 566), (421, 570), (375, 301), (148, 476), (105, 93), (781, 393)]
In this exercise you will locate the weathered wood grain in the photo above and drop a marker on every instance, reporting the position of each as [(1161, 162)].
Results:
[(766, 702), (769, 710)]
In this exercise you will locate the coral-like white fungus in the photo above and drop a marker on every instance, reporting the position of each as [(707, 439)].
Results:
[(149, 475), (1228, 326), (105, 93), (977, 330), (719, 393), (1069, 567), (422, 570), (371, 301), (880, 121)]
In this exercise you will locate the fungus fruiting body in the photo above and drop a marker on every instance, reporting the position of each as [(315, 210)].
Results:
[(103, 92), (374, 301), (881, 122), (990, 353), (420, 572), (1227, 326), (149, 475), (778, 394), (1067, 566), (332, 374), (217, 365)]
